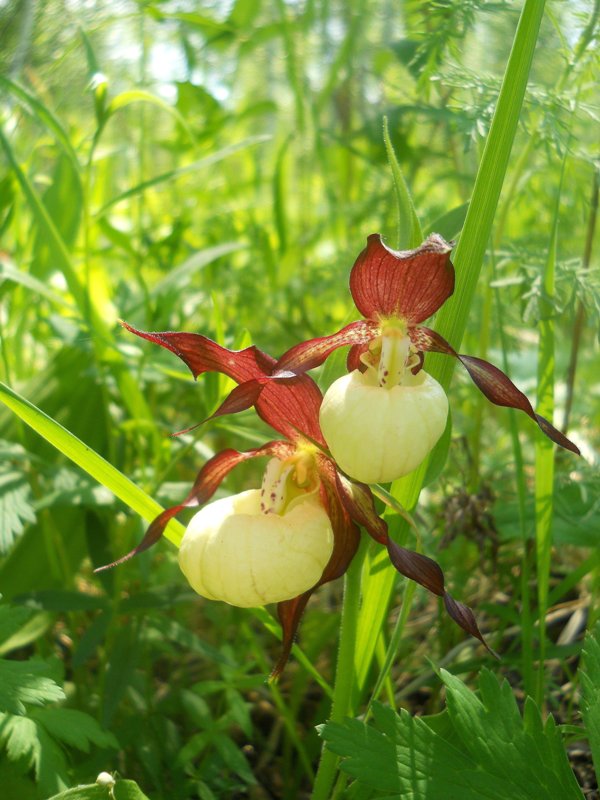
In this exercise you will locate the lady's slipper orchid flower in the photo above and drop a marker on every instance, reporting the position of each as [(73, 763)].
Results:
[(301, 529), (382, 419)]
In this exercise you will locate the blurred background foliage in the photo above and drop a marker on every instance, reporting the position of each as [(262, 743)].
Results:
[(216, 167)]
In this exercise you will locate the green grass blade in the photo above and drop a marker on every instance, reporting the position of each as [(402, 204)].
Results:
[(409, 228), (86, 458), (173, 174), (140, 96), (44, 115)]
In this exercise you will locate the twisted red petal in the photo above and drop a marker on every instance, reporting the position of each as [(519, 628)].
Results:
[(287, 406), (310, 354), (207, 482), (201, 354), (358, 499), (411, 284), (492, 382)]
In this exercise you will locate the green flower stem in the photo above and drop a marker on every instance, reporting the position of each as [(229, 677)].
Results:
[(452, 319), (345, 675)]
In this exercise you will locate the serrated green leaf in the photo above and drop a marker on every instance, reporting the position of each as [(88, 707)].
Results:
[(15, 507), (589, 676), (74, 728), (122, 790), (28, 744), (486, 750), (26, 682)]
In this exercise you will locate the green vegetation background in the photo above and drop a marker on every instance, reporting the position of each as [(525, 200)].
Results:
[(217, 168)]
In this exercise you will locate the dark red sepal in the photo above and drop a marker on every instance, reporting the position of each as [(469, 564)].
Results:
[(201, 354), (289, 613), (492, 382), (287, 406), (310, 354), (411, 284), (244, 396), (207, 482)]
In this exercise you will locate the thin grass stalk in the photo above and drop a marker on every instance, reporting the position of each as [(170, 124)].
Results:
[(580, 314), (287, 716), (409, 229), (527, 666), (451, 321), (344, 674), (544, 449)]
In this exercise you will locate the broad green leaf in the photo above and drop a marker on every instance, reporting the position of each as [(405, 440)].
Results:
[(183, 272), (449, 225), (122, 790), (44, 115), (27, 743), (11, 620), (91, 791), (126, 98), (9, 272)]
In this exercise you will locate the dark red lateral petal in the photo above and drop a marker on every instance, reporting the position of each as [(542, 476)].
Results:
[(201, 354), (359, 503), (464, 617), (419, 568), (207, 482), (411, 284), (492, 382), (310, 354), (353, 360), (346, 534)]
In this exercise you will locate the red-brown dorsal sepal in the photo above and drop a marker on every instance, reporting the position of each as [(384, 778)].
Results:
[(409, 284)]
